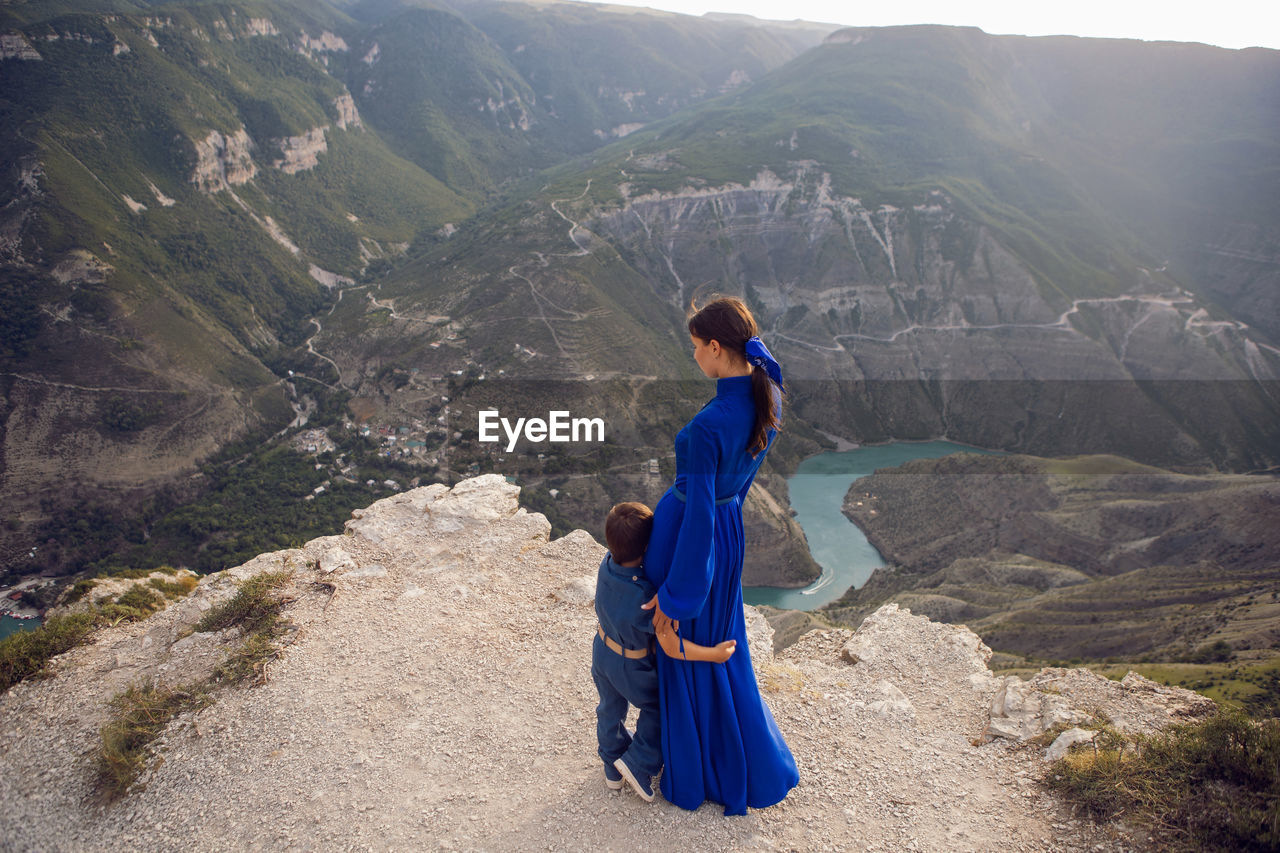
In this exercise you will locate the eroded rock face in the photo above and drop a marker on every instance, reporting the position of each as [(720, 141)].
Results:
[(300, 153), (261, 27), (223, 161), (900, 288), (888, 273), (16, 46), (918, 320), (348, 115), (326, 41)]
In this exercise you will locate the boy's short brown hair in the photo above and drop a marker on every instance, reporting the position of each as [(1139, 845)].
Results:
[(627, 529)]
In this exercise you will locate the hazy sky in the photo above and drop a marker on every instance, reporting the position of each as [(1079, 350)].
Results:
[(1227, 23)]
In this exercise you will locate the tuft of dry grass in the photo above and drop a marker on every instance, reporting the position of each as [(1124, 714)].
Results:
[(174, 590), (141, 713), (1209, 785), (257, 600)]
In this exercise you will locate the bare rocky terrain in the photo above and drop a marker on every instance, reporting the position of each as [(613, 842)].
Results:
[(436, 694)]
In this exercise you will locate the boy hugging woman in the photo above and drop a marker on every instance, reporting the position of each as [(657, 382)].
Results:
[(701, 713), (623, 657)]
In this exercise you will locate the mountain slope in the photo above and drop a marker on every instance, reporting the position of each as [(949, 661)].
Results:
[(923, 254), (178, 191), (943, 233), (183, 189)]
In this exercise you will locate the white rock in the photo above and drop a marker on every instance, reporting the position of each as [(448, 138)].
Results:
[(983, 681), (371, 570), (576, 546), (859, 650), (223, 161), (577, 591), (487, 497), (759, 636), (1019, 711), (892, 702), (336, 559), (1066, 740)]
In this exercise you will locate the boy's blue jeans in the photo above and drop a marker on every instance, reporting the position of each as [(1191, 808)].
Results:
[(621, 682)]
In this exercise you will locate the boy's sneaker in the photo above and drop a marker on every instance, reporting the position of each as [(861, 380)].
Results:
[(612, 778), (641, 787)]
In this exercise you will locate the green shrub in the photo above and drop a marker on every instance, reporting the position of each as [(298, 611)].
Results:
[(1219, 652), (139, 597), (1210, 785), (79, 590), (25, 653), (175, 589), (141, 713), (252, 656)]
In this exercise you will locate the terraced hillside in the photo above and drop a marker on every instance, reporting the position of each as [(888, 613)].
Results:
[(1086, 558)]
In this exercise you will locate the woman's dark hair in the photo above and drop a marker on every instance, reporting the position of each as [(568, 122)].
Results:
[(729, 321), (627, 529)]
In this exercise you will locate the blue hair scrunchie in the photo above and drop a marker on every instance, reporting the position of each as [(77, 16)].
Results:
[(758, 354)]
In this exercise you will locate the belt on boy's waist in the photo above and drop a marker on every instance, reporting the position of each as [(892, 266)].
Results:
[(615, 646)]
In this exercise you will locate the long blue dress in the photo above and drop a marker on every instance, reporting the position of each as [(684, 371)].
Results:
[(719, 741)]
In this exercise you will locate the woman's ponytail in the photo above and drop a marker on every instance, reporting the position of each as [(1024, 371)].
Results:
[(729, 321)]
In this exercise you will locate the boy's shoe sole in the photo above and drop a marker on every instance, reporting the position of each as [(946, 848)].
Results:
[(612, 784), (621, 767)]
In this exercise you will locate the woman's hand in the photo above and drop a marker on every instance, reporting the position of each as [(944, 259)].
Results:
[(661, 621)]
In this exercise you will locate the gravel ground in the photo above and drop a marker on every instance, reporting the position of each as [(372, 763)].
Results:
[(437, 695)]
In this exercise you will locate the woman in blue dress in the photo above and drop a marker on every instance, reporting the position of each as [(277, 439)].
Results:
[(719, 741)]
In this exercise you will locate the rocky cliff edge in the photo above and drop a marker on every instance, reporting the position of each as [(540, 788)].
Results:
[(436, 694)]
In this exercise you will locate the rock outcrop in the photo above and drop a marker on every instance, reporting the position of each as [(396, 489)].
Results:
[(1136, 705), (326, 42), (348, 115), (261, 27), (223, 161), (16, 46), (300, 153), (435, 693)]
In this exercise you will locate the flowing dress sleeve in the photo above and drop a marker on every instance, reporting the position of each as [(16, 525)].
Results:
[(684, 593)]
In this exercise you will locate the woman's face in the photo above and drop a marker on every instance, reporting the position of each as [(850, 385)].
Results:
[(707, 354)]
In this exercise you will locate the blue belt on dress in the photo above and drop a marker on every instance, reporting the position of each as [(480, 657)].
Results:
[(675, 490)]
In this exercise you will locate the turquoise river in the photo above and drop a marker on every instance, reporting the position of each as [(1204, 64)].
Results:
[(817, 493)]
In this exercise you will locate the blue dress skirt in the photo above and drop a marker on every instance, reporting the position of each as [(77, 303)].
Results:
[(719, 741)]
